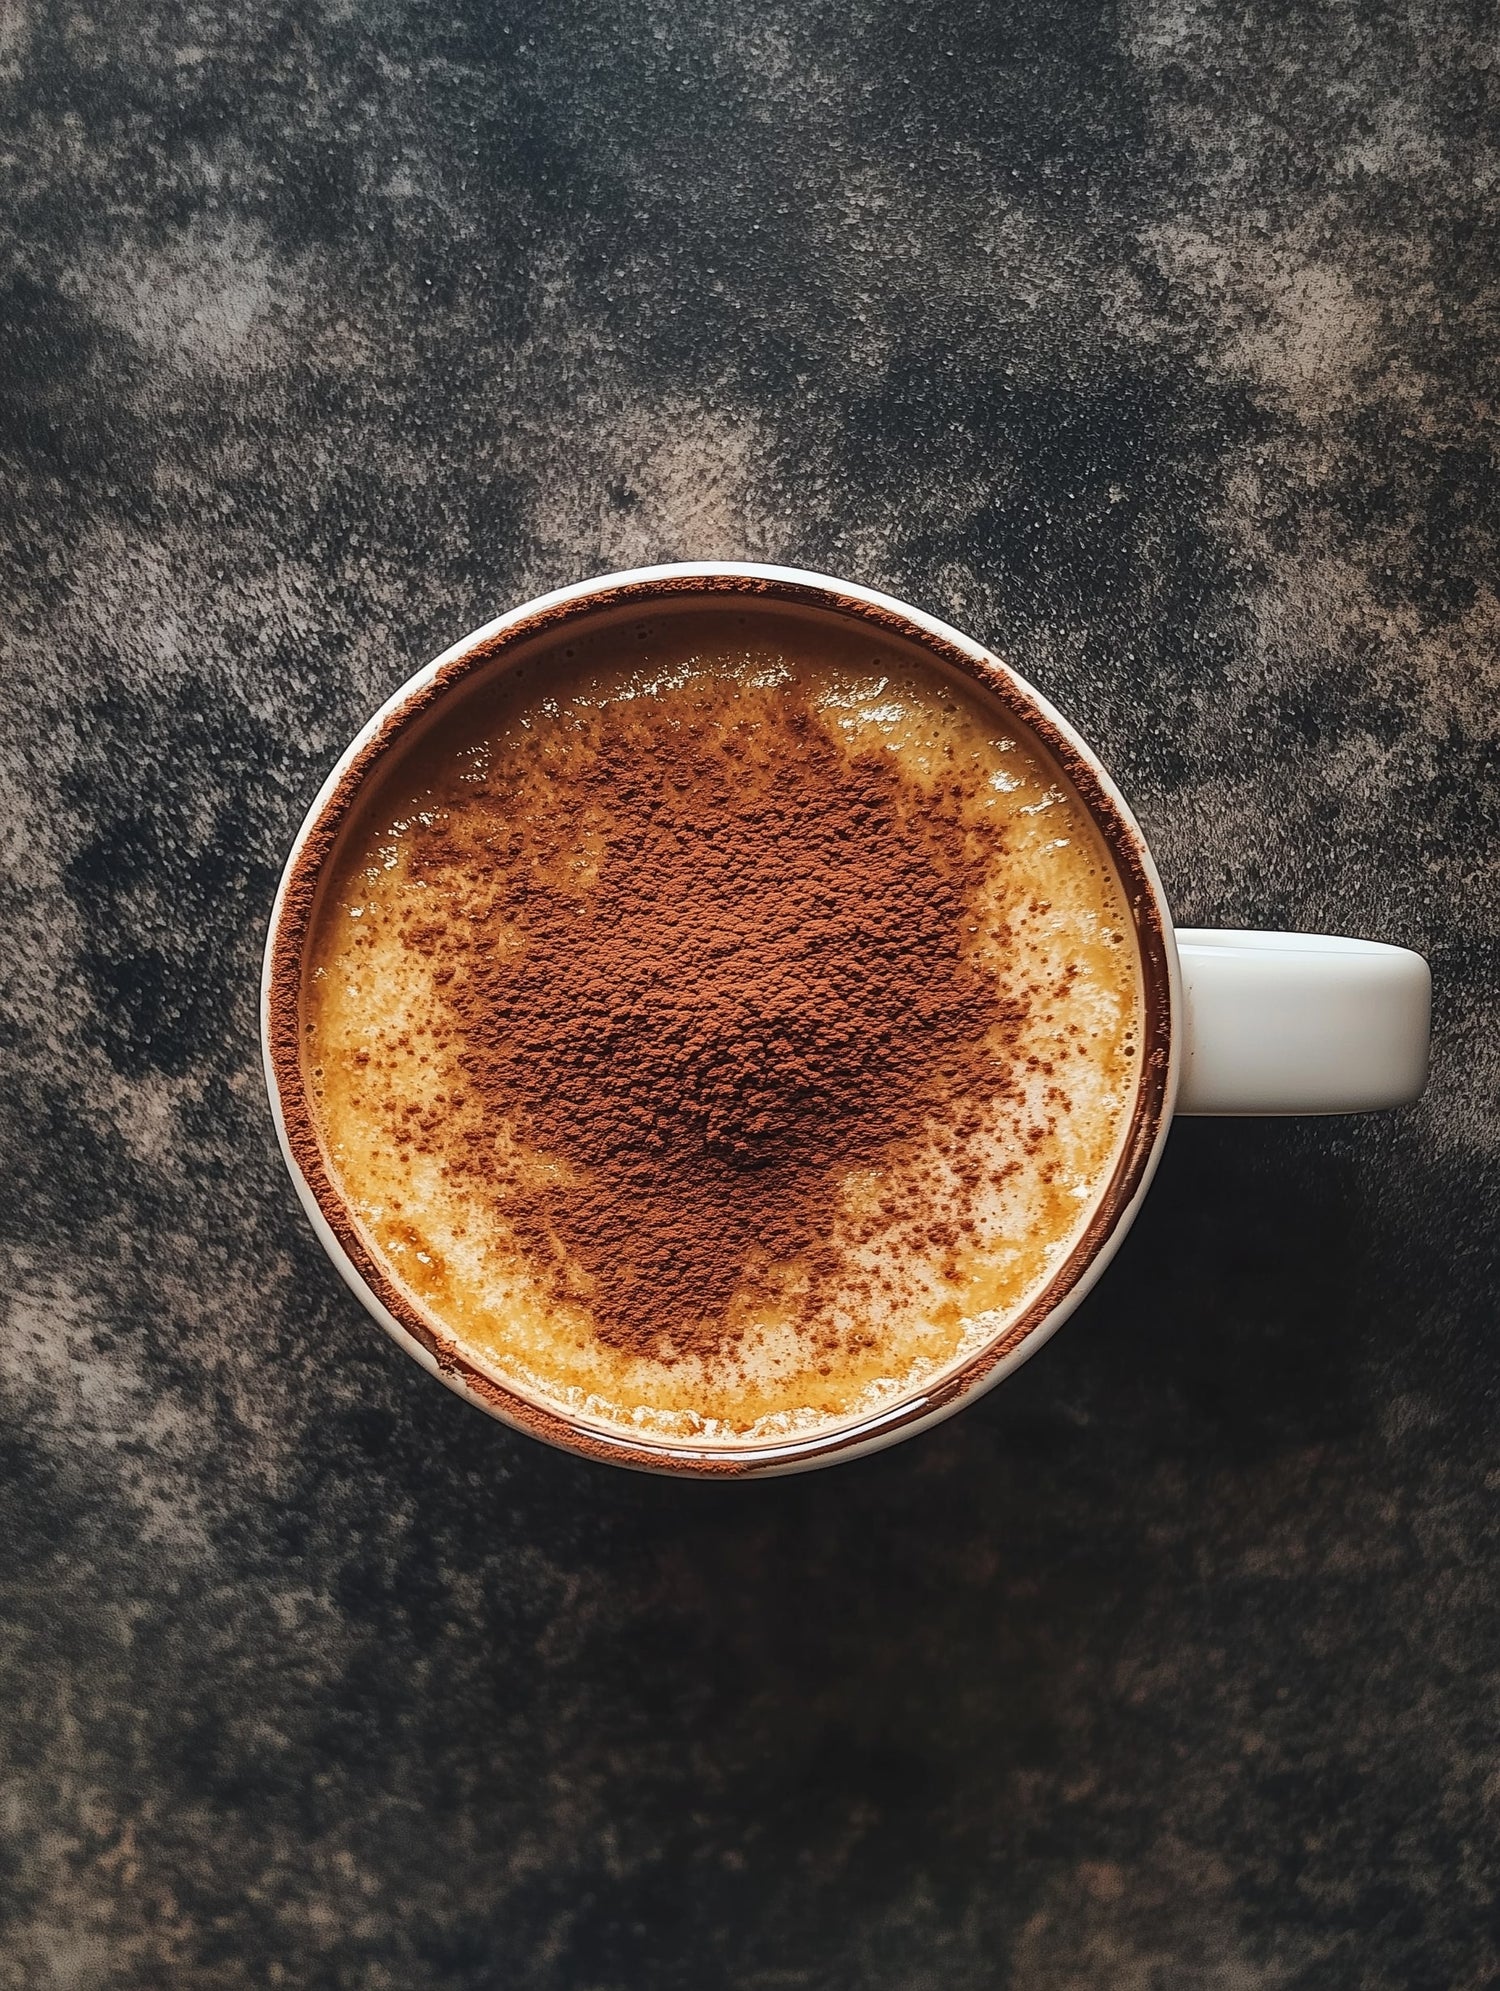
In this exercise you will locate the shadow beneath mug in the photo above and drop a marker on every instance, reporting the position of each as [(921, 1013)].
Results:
[(1234, 1319)]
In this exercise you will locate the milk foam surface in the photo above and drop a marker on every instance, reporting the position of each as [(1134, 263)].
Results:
[(937, 1247)]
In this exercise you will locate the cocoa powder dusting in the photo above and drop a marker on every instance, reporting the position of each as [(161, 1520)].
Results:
[(728, 960)]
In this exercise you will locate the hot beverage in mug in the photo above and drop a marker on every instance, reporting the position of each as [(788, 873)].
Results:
[(721, 1019)]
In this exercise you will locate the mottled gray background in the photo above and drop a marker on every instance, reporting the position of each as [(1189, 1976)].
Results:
[(1154, 343)]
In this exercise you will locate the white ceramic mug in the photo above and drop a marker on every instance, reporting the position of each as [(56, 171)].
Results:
[(1238, 1023)]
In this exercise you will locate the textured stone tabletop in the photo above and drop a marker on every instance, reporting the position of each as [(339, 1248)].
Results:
[(1156, 345)]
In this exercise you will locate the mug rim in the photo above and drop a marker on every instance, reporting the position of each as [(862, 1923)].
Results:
[(362, 1267)]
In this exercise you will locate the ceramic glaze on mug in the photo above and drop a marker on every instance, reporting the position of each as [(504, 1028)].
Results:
[(1216, 1022)]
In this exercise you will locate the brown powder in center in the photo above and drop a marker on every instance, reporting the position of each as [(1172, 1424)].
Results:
[(723, 963)]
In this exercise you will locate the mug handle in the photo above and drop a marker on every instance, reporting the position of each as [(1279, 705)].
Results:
[(1300, 1023)]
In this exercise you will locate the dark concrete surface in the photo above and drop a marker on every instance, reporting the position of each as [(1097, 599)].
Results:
[(1155, 344)]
